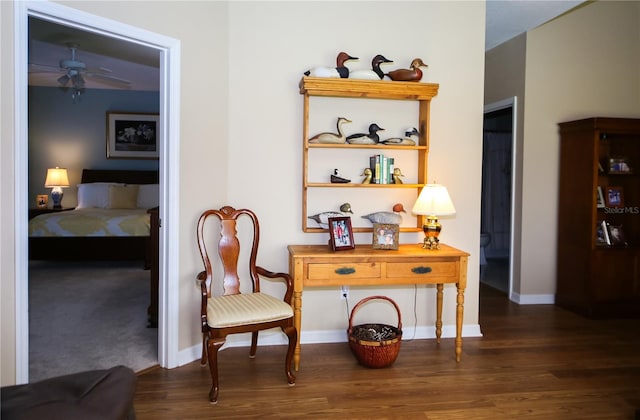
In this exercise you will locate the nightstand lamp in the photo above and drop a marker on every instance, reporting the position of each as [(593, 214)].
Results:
[(432, 202), (57, 179)]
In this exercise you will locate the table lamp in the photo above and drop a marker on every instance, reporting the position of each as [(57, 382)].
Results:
[(57, 179), (432, 202)]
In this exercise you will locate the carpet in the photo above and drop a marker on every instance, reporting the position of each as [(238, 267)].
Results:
[(88, 315)]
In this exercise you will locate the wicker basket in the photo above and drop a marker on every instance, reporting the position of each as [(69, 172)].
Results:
[(375, 345)]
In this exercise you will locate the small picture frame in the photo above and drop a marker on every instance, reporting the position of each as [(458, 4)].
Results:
[(42, 200), (616, 235), (602, 234), (619, 165), (614, 197), (600, 203), (385, 236), (341, 233)]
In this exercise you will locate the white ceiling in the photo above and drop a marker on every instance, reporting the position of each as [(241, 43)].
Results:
[(139, 64)]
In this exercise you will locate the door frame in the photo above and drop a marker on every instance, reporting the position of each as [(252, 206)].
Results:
[(169, 141), (492, 107)]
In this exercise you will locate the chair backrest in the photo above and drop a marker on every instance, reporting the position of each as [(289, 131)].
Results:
[(229, 248)]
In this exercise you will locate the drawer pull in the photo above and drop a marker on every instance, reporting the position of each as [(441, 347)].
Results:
[(345, 270), (421, 270)]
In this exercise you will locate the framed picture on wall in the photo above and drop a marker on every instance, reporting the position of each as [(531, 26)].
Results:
[(132, 136)]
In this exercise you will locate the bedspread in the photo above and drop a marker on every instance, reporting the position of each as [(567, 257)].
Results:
[(91, 222)]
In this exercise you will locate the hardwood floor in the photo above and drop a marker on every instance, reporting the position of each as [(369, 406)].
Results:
[(536, 361)]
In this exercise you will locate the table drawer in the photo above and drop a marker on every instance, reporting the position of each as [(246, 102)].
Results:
[(421, 270), (346, 270)]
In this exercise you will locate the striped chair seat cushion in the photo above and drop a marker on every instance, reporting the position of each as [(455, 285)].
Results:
[(243, 309)]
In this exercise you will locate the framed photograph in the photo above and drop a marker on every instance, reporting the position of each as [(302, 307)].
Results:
[(42, 200), (341, 234), (602, 234), (614, 197), (385, 236), (616, 235), (600, 198), (132, 136), (619, 165)]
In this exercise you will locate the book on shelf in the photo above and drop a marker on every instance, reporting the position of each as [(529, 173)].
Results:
[(382, 169)]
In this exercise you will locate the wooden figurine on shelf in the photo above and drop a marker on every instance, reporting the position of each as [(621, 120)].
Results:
[(331, 138), (414, 74), (409, 139), (340, 71), (390, 217), (323, 218), (367, 173), (375, 73), (364, 138), (397, 173), (337, 179)]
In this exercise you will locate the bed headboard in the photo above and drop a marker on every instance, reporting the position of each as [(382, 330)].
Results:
[(126, 176)]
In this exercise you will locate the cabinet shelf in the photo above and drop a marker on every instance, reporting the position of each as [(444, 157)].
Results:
[(367, 90)]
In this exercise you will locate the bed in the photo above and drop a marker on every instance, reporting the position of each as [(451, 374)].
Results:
[(112, 220)]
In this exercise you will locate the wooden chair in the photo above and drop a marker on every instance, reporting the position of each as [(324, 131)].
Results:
[(235, 312)]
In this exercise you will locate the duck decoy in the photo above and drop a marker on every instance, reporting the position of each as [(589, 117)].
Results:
[(375, 73), (367, 173), (397, 173), (364, 138), (337, 179), (340, 71), (331, 138), (323, 218), (390, 217), (408, 75), (409, 138)]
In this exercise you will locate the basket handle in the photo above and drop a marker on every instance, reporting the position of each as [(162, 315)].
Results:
[(367, 299)]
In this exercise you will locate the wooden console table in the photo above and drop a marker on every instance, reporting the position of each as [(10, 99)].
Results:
[(318, 266)]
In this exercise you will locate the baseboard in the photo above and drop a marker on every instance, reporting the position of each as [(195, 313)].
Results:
[(275, 337), (533, 299)]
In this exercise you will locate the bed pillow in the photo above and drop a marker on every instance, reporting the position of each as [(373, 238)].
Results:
[(94, 194), (148, 196), (123, 197)]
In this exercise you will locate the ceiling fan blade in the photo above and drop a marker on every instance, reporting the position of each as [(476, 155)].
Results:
[(108, 78), (64, 80), (43, 68)]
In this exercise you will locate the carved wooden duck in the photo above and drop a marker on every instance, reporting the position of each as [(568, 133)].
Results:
[(323, 218), (408, 75), (407, 140), (364, 138), (391, 217), (331, 138), (375, 73), (337, 179), (340, 70)]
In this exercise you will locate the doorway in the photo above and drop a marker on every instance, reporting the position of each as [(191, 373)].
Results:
[(168, 138), (497, 197)]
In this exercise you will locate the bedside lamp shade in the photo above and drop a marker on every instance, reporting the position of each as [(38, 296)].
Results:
[(432, 202), (56, 179)]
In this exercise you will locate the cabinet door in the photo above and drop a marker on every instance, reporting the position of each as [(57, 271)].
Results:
[(616, 275)]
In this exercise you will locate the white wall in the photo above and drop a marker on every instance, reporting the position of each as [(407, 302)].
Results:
[(241, 122)]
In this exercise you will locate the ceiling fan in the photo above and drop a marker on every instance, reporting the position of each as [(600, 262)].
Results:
[(74, 73)]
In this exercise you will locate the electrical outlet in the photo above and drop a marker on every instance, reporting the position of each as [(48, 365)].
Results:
[(344, 292)]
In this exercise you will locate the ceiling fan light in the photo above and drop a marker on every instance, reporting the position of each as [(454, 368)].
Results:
[(63, 80), (78, 81)]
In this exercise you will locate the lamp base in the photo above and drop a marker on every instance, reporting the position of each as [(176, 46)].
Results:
[(56, 197), (431, 231), (431, 242)]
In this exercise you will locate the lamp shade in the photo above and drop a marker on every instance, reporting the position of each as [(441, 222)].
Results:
[(56, 177), (434, 200)]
